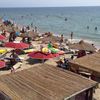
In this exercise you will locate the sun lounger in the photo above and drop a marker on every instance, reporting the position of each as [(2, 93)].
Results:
[(17, 66), (2, 51), (21, 58), (28, 50), (84, 72)]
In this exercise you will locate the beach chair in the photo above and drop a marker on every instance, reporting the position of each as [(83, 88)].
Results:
[(16, 66), (2, 51), (84, 72), (28, 50), (21, 58)]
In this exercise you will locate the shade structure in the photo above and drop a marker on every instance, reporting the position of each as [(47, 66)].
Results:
[(89, 62), (53, 39), (16, 45), (82, 46), (2, 64), (2, 37), (40, 55), (55, 54), (41, 83)]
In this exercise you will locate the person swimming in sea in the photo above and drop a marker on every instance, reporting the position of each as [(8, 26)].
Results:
[(66, 19), (22, 16), (96, 28), (87, 27), (31, 24)]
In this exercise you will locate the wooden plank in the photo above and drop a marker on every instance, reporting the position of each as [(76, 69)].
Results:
[(90, 62), (43, 82)]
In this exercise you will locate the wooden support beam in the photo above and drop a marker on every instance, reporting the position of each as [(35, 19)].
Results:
[(91, 94)]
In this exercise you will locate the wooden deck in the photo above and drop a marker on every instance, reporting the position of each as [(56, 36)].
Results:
[(43, 82)]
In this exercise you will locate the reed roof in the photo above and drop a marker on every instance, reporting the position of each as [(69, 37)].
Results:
[(43, 82)]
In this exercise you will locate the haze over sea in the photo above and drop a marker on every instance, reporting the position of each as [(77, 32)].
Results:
[(53, 19)]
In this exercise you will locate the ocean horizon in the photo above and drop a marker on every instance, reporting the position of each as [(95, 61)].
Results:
[(83, 21)]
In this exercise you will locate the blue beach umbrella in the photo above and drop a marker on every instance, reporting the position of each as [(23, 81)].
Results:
[(5, 19), (17, 33)]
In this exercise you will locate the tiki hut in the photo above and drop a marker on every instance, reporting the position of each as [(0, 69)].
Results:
[(46, 82), (52, 39), (30, 34), (89, 62), (33, 35), (82, 46)]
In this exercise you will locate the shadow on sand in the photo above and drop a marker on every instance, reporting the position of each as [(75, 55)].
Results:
[(5, 68), (34, 61)]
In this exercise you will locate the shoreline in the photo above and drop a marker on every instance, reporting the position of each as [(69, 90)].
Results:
[(75, 40)]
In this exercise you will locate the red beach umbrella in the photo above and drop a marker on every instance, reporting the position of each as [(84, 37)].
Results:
[(56, 55), (2, 64), (2, 37), (40, 55), (17, 45)]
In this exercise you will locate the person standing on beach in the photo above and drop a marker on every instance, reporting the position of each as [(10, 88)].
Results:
[(23, 30), (31, 24), (35, 29), (71, 35), (61, 39), (11, 39)]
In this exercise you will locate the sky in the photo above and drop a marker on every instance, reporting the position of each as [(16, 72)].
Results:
[(48, 3)]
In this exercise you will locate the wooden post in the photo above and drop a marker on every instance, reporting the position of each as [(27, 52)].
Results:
[(91, 94), (87, 95)]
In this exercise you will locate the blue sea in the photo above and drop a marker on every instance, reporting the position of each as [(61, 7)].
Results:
[(52, 19)]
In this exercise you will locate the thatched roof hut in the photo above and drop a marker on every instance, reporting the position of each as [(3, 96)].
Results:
[(89, 62), (82, 46), (52, 39), (44, 82), (31, 34)]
